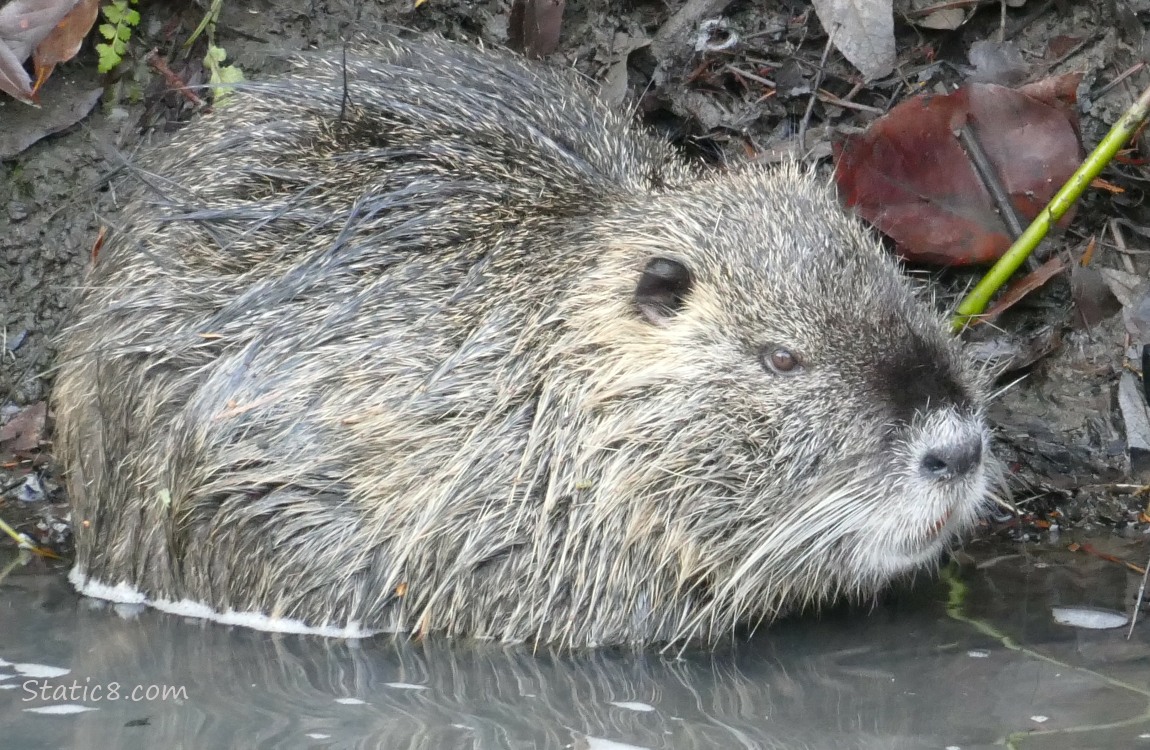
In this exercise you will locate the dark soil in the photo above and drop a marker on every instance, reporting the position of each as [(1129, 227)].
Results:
[(1060, 428)]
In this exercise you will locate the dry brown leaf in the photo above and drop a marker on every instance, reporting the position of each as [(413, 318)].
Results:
[(1092, 296), (24, 431), (23, 25), (64, 41), (1024, 286), (863, 31)]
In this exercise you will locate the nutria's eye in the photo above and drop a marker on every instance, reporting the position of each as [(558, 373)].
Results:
[(662, 289), (779, 359)]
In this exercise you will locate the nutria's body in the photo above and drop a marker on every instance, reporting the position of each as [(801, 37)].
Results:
[(465, 353)]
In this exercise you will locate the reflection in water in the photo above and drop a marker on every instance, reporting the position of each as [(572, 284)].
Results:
[(902, 676)]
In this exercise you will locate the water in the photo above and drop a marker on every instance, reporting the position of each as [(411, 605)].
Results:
[(904, 675)]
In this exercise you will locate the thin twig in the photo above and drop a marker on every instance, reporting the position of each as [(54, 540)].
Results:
[(1044, 70), (1138, 602), (23, 541), (161, 66), (346, 97), (815, 91), (1121, 77), (827, 97), (989, 177), (745, 74)]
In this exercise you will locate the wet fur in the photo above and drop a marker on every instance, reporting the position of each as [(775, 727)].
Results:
[(376, 361)]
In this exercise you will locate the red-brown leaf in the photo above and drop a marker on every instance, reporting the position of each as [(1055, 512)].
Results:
[(909, 175)]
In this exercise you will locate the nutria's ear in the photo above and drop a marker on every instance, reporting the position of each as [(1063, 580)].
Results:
[(662, 290)]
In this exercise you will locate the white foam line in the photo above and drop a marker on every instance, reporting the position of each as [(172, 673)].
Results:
[(124, 593), (61, 709), (41, 671)]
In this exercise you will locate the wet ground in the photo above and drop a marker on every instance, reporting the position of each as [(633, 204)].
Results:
[(973, 659)]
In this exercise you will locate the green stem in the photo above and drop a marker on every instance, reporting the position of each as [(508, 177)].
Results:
[(977, 300), (209, 19), (21, 540)]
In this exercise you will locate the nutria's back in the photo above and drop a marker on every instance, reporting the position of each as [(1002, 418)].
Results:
[(437, 342)]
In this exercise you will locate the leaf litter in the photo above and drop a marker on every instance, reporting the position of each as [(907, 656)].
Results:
[(49, 32)]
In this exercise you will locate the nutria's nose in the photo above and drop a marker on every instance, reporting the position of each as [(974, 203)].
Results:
[(953, 459)]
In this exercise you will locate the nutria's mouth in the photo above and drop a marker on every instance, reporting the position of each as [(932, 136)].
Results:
[(927, 546), (939, 524)]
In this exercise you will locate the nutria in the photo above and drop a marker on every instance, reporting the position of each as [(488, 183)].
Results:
[(423, 338)]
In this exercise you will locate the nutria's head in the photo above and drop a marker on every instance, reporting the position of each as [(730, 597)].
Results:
[(810, 426)]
